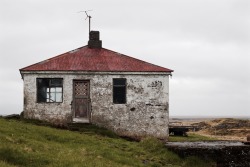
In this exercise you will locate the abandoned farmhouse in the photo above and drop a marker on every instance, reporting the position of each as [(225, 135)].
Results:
[(95, 85)]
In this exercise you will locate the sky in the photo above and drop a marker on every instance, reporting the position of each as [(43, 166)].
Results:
[(205, 42)]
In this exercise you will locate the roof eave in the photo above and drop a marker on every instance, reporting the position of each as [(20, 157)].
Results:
[(94, 72)]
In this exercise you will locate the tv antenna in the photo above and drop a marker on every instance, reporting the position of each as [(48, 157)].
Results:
[(88, 16)]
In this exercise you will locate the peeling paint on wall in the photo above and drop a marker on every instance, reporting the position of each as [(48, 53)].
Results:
[(144, 114)]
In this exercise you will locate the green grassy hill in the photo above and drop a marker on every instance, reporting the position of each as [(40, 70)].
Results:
[(26, 144)]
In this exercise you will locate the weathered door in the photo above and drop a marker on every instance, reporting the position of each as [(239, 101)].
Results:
[(81, 99)]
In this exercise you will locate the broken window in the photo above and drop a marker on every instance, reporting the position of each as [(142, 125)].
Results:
[(49, 90), (119, 90)]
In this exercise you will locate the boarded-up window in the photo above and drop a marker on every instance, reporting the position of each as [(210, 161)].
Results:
[(49, 90), (119, 90)]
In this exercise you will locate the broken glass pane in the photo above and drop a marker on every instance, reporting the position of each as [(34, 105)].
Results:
[(48, 97), (53, 97), (56, 82), (47, 88)]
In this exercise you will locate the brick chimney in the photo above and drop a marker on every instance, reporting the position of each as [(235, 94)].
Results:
[(94, 40)]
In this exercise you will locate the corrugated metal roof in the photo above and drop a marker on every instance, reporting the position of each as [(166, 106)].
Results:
[(86, 59)]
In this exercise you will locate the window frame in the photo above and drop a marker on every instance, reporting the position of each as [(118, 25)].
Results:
[(125, 87), (50, 85)]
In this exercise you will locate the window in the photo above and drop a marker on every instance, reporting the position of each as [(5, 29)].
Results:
[(49, 90), (119, 90)]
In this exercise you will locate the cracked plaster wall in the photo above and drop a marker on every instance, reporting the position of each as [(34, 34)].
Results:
[(145, 113)]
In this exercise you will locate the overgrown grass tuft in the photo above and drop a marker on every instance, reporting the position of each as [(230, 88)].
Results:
[(26, 144)]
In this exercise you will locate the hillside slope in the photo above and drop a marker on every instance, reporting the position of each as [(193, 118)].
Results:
[(229, 128), (25, 144)]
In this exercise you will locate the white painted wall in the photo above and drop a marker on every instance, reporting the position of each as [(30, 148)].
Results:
[(147, 93)]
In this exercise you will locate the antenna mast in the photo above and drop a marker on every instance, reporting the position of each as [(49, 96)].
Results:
[(88, 17)]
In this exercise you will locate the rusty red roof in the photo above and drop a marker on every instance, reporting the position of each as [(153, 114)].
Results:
[(86, 59)]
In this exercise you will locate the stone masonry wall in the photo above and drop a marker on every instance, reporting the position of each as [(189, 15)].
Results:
[(145, 113)]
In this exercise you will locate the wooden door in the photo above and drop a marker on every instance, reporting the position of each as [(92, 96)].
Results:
[(81, 99)]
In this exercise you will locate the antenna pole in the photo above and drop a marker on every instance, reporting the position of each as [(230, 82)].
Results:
[(89, 22), (88, 17)]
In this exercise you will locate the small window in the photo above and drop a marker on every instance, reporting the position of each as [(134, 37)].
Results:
[(119, 90), (49, 90)]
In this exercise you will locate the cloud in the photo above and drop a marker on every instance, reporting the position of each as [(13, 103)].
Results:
[(207, 97), (205, 42)]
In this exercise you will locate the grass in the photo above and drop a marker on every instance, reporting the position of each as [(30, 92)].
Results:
[(191, 137), (25, 144)]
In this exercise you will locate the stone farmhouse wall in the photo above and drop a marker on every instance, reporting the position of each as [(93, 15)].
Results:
[(145, 113)]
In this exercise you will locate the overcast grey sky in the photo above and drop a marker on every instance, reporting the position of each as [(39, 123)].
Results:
[(206, 42)]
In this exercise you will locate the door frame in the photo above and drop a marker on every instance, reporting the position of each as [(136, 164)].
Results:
[(83, 119)]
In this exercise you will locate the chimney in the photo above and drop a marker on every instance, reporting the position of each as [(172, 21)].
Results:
[(94, 40)]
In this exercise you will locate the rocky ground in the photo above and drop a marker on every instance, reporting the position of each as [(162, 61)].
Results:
[(233, 152), (227, 129), (223, 128)]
